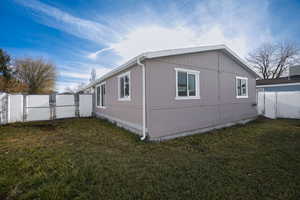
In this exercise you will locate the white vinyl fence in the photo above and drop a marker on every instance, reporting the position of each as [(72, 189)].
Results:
[(22, 108), (3, 108), (279, 104)]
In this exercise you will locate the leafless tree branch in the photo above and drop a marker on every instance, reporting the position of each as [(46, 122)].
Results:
[(272, 60)]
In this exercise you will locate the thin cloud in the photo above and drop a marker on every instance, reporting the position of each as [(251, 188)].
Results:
[(74, 75), (240, 25), (94, 55), (207, 23), (83, 73), (79, 27)]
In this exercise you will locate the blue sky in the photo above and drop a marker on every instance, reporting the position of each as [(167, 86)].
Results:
[(79, 35)]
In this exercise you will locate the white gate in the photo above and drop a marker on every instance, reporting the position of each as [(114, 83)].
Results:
[(15, 108), (65, 106), (270, 105), (85, 105), (261, 103), (279, 104), (37, 107)]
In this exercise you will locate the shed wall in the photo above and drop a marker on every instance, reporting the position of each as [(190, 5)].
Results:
[(217, 105), (128, 113)]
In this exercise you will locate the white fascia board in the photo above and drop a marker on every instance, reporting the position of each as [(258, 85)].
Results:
[(172, 52)]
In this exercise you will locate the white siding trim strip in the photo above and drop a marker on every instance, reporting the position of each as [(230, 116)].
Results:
[(277, 85)]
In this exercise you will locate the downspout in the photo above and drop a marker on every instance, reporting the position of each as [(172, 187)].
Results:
[(144, 97)]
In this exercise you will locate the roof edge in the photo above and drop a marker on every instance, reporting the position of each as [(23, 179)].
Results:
[(171, 52)]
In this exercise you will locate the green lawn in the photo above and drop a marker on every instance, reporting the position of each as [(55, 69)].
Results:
[(93, 159)]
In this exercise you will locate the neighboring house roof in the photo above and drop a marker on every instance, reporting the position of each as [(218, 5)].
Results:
[(172, 52), (279, 81)]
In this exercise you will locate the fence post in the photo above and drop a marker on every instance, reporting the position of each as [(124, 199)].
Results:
[(76, 99), (7, 108), (24, 107), (276, 93), (53, 106)]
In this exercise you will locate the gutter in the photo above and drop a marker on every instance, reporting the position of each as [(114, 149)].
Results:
[(138, 61)]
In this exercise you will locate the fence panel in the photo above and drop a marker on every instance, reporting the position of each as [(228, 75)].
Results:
[(288, 105), (37, 107), (261, 103), (85, 105), (270, 105), (3, 109), (21, 108), (15, 108), (279, 104), (65, 106)]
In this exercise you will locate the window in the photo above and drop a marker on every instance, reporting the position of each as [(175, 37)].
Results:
[(100, 95), (241, 87), (187, 84), (124, 86)]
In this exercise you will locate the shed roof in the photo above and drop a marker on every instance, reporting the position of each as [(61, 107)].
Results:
[(281, 80), (172, 52)]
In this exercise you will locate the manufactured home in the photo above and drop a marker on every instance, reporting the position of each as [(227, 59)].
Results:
[(171, 93)]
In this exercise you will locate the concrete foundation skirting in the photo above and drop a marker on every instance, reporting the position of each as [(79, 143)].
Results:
[(135, 128), (201, 130)]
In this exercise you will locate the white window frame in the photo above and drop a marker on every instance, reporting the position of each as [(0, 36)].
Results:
[(100, 95), (125, 98), (236, 87), (197, 83)]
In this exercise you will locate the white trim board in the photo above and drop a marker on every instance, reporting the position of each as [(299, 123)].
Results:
[(197, 83), (125, 98), (277, 85), (100, 95), (236, 87)]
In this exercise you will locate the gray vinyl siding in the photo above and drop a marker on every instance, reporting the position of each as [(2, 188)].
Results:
[(217, 104), (129, 112)]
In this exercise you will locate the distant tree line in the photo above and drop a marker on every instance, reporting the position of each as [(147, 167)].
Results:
[(26, 75)]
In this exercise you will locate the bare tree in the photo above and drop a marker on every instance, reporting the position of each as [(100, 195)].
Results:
[(39, 75), (272, 60), (68, 90), (75, 89)]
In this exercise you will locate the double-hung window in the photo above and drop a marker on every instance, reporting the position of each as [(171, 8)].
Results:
[(124, 86), (241, 87), (100, 95), (187, 84)]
